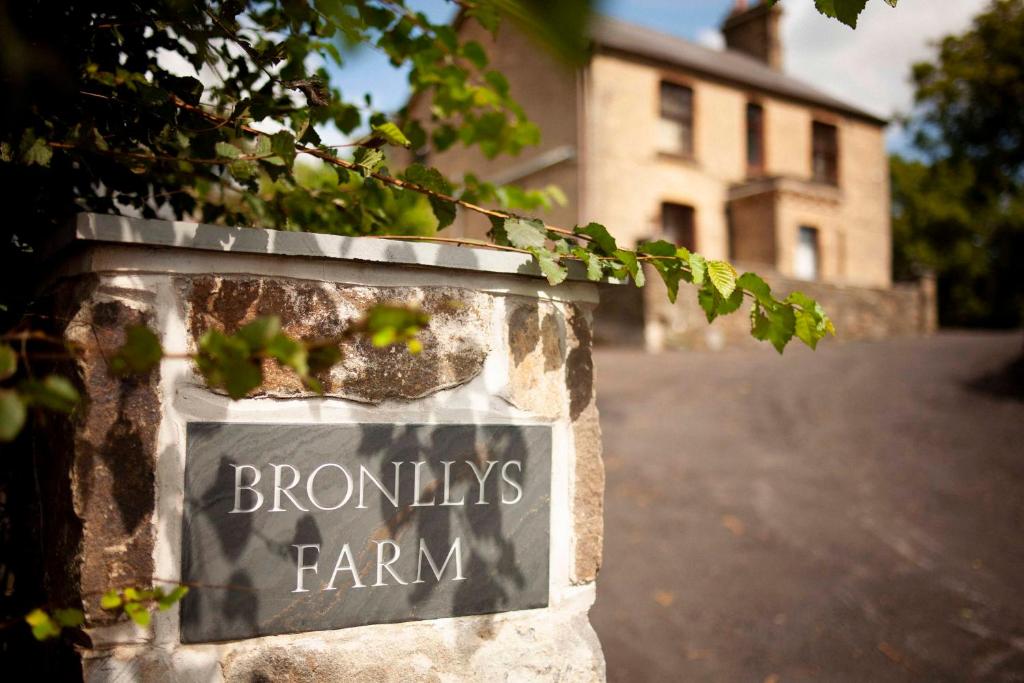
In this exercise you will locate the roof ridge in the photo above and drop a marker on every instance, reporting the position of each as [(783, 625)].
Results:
[(728, 64)]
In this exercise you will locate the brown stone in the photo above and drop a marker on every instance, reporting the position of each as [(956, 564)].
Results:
[(536, 340), (455, 343), (588, 480), (112, 480)]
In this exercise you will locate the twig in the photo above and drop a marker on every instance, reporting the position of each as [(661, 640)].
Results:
[(451, 240)]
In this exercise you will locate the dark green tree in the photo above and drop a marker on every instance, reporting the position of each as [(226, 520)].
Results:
[(960, 211)]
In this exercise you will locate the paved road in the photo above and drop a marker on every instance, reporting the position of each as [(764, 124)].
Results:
[(856, 514)]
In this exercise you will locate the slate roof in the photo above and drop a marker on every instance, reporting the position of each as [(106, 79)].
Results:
[(728, 65)]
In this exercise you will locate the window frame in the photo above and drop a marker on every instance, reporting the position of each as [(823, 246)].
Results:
[(829, 153), (690, 224), (687, 120), (755, 168)]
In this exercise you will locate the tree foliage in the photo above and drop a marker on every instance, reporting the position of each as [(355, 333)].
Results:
[(960, 210), (99, 120)]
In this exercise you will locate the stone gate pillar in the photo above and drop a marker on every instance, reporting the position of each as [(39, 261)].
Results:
[(429, 517)]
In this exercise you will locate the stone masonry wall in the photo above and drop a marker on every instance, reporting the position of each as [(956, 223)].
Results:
[(858, 313), (498, 350)]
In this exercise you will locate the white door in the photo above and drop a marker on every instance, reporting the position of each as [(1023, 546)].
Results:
[(805, 262)]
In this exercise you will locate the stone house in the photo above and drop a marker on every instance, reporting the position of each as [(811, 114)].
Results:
[(717, 150)]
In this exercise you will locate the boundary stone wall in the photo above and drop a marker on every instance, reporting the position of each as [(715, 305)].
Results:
[(858, 313), (502, 347)]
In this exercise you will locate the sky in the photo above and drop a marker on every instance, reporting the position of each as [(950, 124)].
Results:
[(868, 67)]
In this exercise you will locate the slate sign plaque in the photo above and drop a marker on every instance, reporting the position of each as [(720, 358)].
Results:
[(306, 527)]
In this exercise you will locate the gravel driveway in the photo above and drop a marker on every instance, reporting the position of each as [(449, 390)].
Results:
[(855, 514)]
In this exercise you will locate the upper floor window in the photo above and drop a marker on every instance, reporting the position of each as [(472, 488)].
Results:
[(675, 128), (677, 225), (824, 153), (755, 139)]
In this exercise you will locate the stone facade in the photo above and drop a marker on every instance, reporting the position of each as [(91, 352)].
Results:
[(607, 115), (501, 348)]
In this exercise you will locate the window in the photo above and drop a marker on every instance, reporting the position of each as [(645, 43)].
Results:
[(825, 153), (677, 225), (675, 128), (805, 264), (755, 139)]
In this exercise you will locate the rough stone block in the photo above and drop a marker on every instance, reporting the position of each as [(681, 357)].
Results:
[(455, 344), (536, 347), (115, 449), (588, 480)]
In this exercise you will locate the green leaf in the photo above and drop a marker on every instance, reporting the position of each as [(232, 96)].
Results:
[(595, 271), (474, 52), (289, 352), (444, 211), (427, 177), (167, 601), (226, 150), (368, 159), (806, 328), (600, 237), (758, 287), (776, 327), (12, 414), (393, 134), (723, 277), (227, 363), (53, 392), (671, 272), (243, 169), (8, 361), (658, 248), (43, 627), (320, 358), (731, 303), (525, 233), (138, 613), (812, 324), (384, 337), (262, 145), (110, 600), (845, 11), (35, 150), (714, 304), (282, 143), (69, 617), (698, 267), (259, 332), (554, 271), (140, 353), (629, 260)]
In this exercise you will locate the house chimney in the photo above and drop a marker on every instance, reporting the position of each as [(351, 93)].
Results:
[(754, 30)]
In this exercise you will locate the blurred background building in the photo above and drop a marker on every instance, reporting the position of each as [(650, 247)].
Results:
[(720, 151)]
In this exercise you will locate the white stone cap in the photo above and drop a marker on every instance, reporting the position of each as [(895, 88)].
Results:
[(123, 230)]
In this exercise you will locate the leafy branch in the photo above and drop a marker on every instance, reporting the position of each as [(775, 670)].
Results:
[(232, 363), (720, 288), (135, 603)]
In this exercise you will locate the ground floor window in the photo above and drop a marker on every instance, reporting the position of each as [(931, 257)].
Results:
[(677, 225), (806, 264)]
